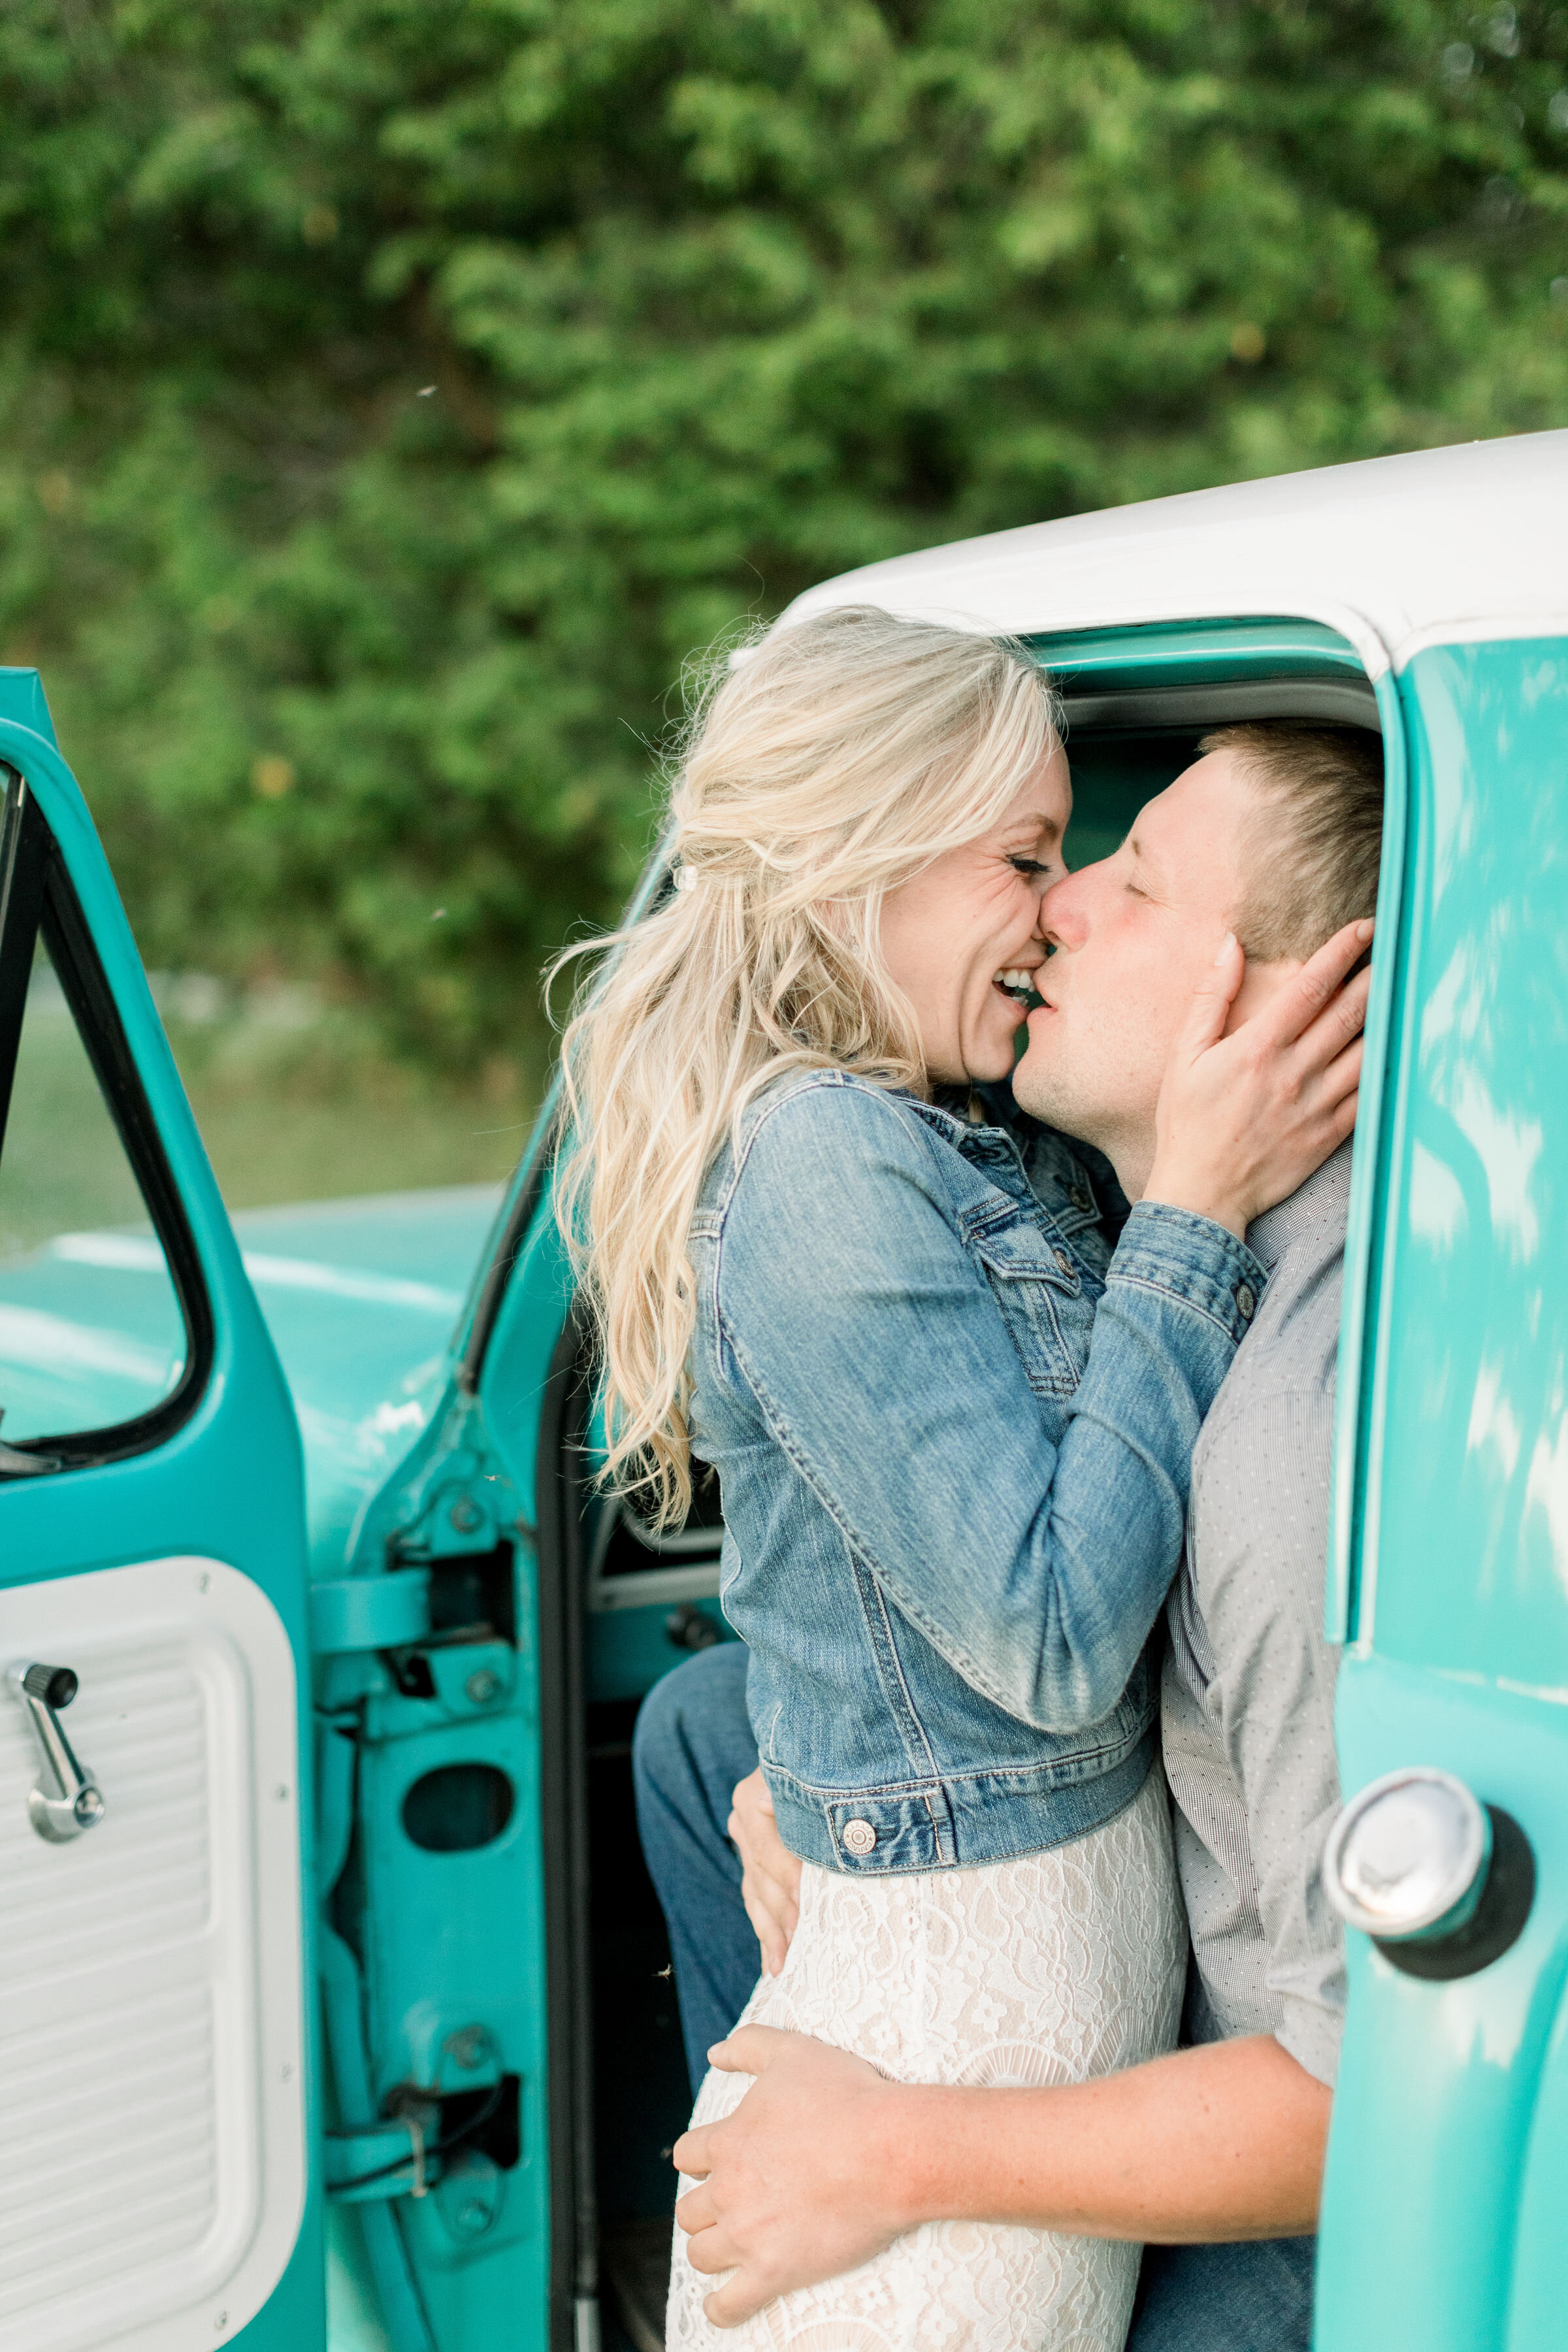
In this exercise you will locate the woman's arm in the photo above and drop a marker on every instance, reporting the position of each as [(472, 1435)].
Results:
[(1030, 1543), (1034, 1556)]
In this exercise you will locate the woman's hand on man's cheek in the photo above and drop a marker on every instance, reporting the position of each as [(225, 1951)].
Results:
[(799, 2184)]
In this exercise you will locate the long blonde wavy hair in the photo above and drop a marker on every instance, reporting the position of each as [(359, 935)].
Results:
[(821, 768)]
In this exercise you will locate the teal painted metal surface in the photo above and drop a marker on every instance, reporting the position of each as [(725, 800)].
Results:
[(1446, 2147), (1438, 2083), (1470, 1375), (1539, 2300), (22, 700), (369, 1612), (629, 1650), (537, 1301), (1197, 652), (361, 1297), (426, 1946), (229, 1482), (94, 1333), (1377, 1121)]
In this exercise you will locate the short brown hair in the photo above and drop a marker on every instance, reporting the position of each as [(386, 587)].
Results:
[(1311, 852)]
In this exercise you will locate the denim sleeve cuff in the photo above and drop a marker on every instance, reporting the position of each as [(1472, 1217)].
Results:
[(1193, 1259)]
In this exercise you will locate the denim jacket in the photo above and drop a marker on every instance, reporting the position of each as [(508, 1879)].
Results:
[(953, 1434)]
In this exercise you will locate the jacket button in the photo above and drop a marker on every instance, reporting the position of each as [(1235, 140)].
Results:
[(1246, 1300), (859, 1837), (1080, 1197), (1063, 1260)]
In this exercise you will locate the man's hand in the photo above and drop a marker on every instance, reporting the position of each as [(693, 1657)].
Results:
[(792, 2190), (824, 2162), (770, 1883)]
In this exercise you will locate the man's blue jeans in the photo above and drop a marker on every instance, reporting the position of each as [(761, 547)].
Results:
[(693, 1742)]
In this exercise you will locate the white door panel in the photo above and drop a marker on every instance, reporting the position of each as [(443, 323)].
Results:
[(152, 2108)]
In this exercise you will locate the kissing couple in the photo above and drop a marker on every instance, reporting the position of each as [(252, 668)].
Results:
[(1016, 1374)]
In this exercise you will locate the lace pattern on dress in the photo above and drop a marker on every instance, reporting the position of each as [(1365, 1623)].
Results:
[(1046, 1969)]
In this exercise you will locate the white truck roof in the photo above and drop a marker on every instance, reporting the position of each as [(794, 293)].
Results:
[(1442, 547)]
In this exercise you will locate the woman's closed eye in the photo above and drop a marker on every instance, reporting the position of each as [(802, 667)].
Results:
[(1031, 865)]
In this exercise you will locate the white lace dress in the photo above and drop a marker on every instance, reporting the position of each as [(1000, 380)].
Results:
[(1047, 1969)]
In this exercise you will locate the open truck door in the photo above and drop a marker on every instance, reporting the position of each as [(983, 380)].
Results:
[(156, 2074)]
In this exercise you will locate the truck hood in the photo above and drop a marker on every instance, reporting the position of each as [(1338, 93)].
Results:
[(361, 1298)]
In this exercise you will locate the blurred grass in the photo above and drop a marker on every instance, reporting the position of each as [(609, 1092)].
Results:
[(324, 1113), (64, 1168), (295, 1102)]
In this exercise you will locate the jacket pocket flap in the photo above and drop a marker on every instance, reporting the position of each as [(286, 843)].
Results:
[(1021, 1252)]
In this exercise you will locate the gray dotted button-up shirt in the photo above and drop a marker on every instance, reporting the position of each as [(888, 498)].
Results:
[(1249, 1696)]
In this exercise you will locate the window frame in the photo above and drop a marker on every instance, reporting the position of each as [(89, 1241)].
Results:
[(37, 900)]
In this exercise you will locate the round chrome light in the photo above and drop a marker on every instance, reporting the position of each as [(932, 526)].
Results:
[(1407, 1857)]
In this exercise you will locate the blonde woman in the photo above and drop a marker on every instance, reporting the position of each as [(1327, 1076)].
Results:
[(951, 1428)]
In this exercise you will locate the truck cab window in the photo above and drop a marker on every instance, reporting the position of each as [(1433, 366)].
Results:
[(96, 1353), (91, 1328)]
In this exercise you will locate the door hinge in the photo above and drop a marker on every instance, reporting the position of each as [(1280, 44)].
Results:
[(370, 1612)]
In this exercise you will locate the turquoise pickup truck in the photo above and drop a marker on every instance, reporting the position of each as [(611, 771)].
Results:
[(334, 2005)]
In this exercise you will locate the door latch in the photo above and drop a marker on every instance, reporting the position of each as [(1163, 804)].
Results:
[(65, 1799)]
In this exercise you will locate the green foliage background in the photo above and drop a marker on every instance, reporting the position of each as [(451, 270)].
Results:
[(392, 394)]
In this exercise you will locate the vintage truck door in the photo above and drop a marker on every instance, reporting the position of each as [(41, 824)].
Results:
[(1445, 2214), (155, 2059)]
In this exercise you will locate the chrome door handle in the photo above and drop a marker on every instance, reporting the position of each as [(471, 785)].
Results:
[(1441, 1883), (65, 1799)]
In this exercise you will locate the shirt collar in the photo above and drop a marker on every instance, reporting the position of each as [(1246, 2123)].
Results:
[(1321, 1202)]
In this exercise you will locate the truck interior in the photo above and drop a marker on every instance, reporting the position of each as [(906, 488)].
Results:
[(619, 1609)]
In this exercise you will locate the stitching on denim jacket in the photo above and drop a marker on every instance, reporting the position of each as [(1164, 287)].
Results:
[(944, 1833), (968, 1669), (979, 1225), (1066, 1379), (817, 1081), (1061, 1772), (799, 1795), (1235, 1328), (1062, 1372), (881, 1638), (826, 1792), (812, 1082), (769, 1103), (963, 1663), (1200, 1288), (1154, 1224), (1180, 1280)]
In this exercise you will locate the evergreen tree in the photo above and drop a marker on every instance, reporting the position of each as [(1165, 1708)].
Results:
[(394, 394)]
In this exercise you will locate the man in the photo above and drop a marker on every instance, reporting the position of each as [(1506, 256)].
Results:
[(1213, 2155)]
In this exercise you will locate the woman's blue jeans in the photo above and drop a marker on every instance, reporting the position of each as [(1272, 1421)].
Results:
[(693, 1742)]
